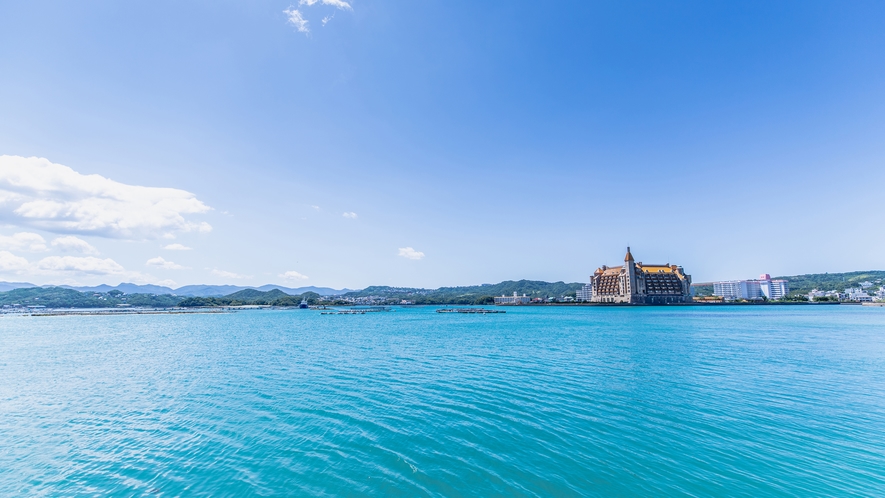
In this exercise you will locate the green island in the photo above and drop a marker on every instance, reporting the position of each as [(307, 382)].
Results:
[(58, 297)]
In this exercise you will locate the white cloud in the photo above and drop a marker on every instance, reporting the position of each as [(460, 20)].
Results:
[(159, 262), (229, 274), (69, 268), (296, 19), (72, 266), (23, 241), (177, 247), (315, 208), (350, 215), (11, 263), (409, 253), (69, 243), (293, 275), (81, 265), (340, 4), (53, 197)]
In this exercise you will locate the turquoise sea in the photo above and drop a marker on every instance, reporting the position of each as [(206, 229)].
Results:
[(540, 401)]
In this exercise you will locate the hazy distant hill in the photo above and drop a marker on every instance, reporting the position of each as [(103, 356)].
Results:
[(125, 287), (187, 290), (8, 286), (207, 290), (273, 297), (224, 290), (323, 291)]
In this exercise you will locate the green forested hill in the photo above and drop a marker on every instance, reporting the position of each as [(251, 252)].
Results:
[(274, 297), (57, 297), (475, 294), (802, 284)]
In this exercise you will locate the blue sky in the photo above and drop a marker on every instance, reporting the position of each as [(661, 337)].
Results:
[(438, 142)]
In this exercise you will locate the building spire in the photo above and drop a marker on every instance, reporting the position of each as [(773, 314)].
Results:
[(628, 257)]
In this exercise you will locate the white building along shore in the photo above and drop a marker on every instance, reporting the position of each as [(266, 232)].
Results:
[(514, 299), (751, 290)]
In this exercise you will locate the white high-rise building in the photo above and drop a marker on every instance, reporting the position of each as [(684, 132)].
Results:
[(730, 290), (584, 293), (774, 289), (752, 289)]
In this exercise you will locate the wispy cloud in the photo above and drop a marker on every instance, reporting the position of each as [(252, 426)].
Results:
[(295, 18), (340, 4), (74, 267), (410, 253), (23, 241), (176, 247), (36, 192), (229, 274), (87, 264), (71, 269), (350, 215), (293, 275), (159, 262), (69, 243)]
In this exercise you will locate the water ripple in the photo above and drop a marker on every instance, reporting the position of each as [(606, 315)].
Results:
[(536, 402)]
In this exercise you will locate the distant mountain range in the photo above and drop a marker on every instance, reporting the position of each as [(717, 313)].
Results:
[(187, 290), (8, 286)]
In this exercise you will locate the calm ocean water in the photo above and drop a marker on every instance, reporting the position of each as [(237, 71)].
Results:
[(742, 401)]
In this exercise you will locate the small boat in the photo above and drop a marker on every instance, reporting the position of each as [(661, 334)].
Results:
[(303, 304)]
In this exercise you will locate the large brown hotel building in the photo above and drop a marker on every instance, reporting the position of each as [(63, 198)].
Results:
[(636, 283)]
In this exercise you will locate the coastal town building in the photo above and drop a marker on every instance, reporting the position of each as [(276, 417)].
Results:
[(638, 283), (858, 294), (514, 299), (731, 290), (773, 289), (750, 290), (584, 294)]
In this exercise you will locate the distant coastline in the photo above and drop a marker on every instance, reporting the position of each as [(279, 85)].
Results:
[(35, 298)]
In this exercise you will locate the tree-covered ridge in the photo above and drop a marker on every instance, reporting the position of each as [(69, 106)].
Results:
[(803, 284), (58, 297), (475, 294), (253, 297)]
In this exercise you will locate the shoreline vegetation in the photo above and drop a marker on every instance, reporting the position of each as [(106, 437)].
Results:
[(37, 298)]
